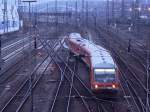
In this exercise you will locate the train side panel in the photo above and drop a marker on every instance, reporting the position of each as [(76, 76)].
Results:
[(81, 47)]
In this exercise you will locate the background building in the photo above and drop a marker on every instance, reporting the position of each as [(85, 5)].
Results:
[(9, 17)]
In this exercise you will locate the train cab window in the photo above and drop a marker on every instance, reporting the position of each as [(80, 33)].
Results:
[(78, 40), (104, 75)]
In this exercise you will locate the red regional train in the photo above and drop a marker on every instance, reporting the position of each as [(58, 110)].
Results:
[(103, 70)]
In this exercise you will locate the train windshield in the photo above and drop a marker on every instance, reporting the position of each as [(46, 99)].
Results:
[(104, 75)]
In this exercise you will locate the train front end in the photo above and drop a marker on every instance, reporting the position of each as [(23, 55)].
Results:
[(105, 80)]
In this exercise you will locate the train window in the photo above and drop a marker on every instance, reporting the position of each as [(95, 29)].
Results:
[(104, 75), (79, 40)]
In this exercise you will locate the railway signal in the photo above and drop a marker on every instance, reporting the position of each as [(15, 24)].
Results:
[(129, 45)]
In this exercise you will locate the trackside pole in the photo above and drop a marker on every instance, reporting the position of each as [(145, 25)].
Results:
[(0, 53)]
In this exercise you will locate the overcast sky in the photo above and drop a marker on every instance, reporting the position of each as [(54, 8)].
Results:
[(49, 0), (42, 1)]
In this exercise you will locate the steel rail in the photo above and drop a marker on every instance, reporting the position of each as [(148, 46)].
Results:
[(16, 52), (128, 84), (138, 60), (141, 71), (5, 77), (58, 89), (138, 97), (60, 83), (1, 74), (34, 85), (20, 35), (82, 82), (133, 98), (96, 99), (74, 75), (11, 99), (126, 80), (82, 99), (71, 83), (62, 77), (103, 108), (135, 90), (70, 89), (133, 74), (80, 78), (131, 93), (140, 100), (15, 43), (84, 102), (54, 101), (124, 92)]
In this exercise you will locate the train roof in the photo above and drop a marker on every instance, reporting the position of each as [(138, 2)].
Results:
[(75, 36), (100, 56)]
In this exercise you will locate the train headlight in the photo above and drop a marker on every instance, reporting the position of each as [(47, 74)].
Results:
[(113, 86), (96, 86)]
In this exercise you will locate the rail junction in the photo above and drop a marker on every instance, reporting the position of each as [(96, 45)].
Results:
[(38, 74)]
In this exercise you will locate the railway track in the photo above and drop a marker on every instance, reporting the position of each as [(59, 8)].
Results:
[(131, 87), (115, 37), (132, 67), (12, 70), (64, 75), (72, 92), (48, 61), (24, 83), (138, 57), (12, 54), (14, 67), (24, 89), (135, 89), (85, 99)]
